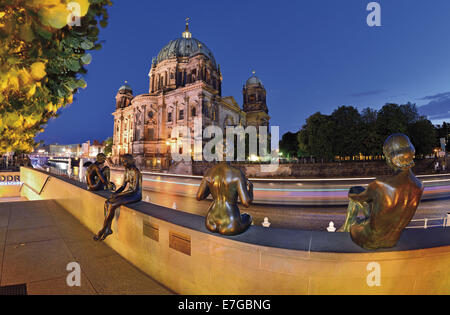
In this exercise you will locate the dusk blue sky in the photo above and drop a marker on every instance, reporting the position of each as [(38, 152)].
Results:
[(311, 55)]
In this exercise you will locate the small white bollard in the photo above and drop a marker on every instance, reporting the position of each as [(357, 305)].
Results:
[(147, 199), (174, 206), (266, 223), (331, 227)]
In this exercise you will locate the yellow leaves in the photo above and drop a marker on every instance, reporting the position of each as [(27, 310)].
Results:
[(30, 121), (26, 33), (84, 6), (24, 77), (13, 82), (38, 71), (2, 14), (32, 90), (54, 16), (52, 108), (57, 13)]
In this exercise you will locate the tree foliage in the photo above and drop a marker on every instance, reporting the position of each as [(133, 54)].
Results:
[(42, 60), (289, 145), (346, 132), (108, 146), (317, 136)]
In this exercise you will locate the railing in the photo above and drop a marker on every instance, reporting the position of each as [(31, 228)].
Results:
[(430, 223)]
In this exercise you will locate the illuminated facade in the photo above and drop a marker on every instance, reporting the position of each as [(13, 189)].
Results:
[(185, 84)]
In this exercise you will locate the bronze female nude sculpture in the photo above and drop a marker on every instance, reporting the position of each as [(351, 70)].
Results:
[(389, 204), (226, 184), (133, 180)]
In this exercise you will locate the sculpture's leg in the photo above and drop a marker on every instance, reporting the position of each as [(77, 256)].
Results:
[(112, 205), (352, 211), (211, 224), (106, 210), (107, 173)]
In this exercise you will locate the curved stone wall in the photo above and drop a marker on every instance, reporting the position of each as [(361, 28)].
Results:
[(175, 249)]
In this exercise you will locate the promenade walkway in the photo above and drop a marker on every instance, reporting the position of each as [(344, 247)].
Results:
[(38, 239)]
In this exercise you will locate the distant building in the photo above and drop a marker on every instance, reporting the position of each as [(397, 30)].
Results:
[(185, 84), (71, 150), (91, 150)]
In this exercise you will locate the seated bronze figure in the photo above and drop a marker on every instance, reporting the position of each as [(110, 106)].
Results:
[(226, 184), (389, 204), (131, 179), (98, 175)]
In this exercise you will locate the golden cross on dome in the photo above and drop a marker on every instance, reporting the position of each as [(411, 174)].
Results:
[(186, 33)]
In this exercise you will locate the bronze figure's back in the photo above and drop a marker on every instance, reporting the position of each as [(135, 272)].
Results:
[(226, 184)]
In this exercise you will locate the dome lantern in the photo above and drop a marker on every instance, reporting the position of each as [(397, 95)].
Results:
[(186, 34)]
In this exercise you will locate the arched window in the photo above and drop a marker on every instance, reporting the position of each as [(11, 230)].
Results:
[(194, 111)]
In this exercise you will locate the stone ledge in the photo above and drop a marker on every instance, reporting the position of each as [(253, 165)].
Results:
[(261, 261)]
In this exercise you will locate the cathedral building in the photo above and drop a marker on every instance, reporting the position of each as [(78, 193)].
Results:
[(185, 84)]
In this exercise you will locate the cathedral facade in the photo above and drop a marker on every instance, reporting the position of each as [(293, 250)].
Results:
[(185, 84)]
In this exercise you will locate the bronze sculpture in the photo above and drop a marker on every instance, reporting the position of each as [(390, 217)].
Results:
[(98, 175), (133, 179), (389, 204), (226, 184)]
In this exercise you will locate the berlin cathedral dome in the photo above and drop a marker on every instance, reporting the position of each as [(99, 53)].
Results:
[(186, 46)]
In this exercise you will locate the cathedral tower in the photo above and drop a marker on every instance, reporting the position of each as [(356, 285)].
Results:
[(255, 102), (124, 96)]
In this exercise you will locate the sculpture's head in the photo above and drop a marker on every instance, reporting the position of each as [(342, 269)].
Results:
[(101, 158), (399, 152), (128, 160)]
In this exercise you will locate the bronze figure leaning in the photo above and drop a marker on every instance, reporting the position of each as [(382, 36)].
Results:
[(226, 184), (133, 180), (98, 175), (389, 204)]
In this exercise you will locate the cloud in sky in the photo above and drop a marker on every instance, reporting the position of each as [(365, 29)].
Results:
[(367, 93), (438, 107)]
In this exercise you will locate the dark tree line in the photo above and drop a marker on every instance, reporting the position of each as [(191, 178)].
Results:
[(349, 133)]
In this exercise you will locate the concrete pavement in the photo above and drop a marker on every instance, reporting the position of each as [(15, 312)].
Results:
[(38, 239)]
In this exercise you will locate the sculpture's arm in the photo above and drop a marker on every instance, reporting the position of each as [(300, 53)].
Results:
[(100, 175), (250, 190), (245, 195), (136, 187), (366, 195), (124, 185), (203, 191)]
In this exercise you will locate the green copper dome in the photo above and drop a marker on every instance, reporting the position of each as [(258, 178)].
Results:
[(186, 46), (254, 80), (125, 88)]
